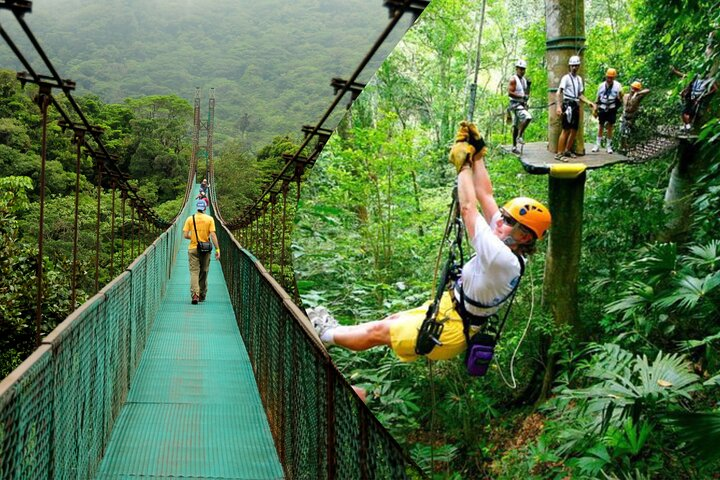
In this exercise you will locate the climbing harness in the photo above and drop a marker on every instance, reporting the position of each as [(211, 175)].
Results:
[(431, 329), (481, 344)]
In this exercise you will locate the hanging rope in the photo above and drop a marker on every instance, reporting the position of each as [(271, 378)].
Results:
[(132, 232), (112, 234), (522, 337), (43, 100), (284, 223), (97, 225), (79, 136), (473, 86), (273, 199), (122, 232)]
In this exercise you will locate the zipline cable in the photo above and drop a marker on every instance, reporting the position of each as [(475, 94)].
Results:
[(473, 86)]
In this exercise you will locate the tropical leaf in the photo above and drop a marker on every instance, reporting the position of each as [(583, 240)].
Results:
[(639, 300), (700, 431), (659, 262), (690, 292), (707, 255), (641, 390)]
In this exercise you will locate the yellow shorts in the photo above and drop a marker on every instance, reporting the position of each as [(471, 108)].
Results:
[(405, 326)]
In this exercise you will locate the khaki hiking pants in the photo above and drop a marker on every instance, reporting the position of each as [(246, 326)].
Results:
[(199, 267)]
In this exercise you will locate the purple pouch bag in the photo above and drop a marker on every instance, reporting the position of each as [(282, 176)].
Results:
[(479, 355)]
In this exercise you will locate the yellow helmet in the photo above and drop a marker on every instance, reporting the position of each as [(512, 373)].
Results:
[(611, 72), (529, 213), (636, 85)]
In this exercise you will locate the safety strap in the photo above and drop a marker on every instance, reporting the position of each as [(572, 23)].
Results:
[(431, 329), (197, 237), (477, 304), (483, 322)]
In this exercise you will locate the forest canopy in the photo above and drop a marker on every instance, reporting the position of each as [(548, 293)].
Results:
[(635, 376)]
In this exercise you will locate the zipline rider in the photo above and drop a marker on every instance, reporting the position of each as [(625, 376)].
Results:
[(500, 236)]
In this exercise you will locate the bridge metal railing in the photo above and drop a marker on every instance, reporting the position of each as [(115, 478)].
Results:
[(57, 409), (321, 429)]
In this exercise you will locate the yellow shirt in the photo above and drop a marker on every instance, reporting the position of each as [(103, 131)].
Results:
[(205, 225)]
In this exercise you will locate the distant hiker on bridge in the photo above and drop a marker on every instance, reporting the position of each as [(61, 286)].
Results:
[(202, 196), (609, 98), (204, 186), (570, 93), (200, 229), (519, 93), (631, 108), (501, 238)]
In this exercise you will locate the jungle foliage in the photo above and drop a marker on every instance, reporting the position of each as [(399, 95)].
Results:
[(150, 138), (636, 390), (269, 62)]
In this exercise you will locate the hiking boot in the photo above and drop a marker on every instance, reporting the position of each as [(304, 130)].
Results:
[(596, 148), (609, 149), (195, 299), (569, 154), (321, 320), (202, 298), (521, 140), (515, 150)]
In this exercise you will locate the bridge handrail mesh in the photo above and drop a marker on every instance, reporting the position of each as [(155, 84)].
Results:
[(58, 407), (321, 429)]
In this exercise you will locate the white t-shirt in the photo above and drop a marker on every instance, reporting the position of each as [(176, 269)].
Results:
[(572, 87), (490, 275)]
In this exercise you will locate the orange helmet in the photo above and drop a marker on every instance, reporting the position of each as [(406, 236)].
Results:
[(636, 85), (611, 72), (529, 213)]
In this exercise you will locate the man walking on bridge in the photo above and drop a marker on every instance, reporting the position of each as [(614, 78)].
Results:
[(200, 229)]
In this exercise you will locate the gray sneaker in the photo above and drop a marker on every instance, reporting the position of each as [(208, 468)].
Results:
[(321, 320)]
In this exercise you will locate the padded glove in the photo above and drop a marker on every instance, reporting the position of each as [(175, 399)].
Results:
[(476, 139), (461, 151)]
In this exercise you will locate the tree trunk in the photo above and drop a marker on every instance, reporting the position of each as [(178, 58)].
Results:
[(562, 264), (564, 37), (691, 163)]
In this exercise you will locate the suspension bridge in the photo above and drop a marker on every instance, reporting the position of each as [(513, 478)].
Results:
[(137, 382)]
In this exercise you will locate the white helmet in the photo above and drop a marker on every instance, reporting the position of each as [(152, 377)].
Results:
[(574, 60), (521, 64)]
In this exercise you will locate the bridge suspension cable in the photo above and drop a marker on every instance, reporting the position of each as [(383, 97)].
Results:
[(105, 162), (247, 225)]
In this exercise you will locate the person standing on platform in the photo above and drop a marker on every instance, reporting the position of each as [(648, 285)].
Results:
[(200, 229), (609, 98), (570, 93), (631, 108), (519, 93)]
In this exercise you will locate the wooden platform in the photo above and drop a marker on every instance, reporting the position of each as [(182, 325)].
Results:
[(536, 158)]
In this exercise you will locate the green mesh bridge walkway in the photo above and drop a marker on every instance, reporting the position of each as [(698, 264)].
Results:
[(193, 410), (138, 383)]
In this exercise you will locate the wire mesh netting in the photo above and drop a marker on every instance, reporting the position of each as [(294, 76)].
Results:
[(58, 408), (321, 429)]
